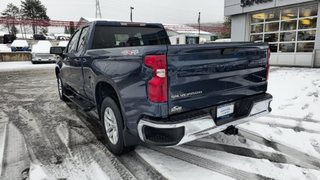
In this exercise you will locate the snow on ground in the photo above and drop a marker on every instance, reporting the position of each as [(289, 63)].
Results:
[(23, 66), (176, 169), (296, 92), (64, 142), (295, 119), (257, 166)]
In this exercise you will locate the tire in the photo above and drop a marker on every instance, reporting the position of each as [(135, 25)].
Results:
[(61, 90), (113, 127)]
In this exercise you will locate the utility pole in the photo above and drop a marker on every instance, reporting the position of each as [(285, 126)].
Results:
[(131, 8), (98, 9), (199, 23)]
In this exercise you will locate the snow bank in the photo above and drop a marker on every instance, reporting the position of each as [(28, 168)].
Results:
[(4, 48), (23, 66)]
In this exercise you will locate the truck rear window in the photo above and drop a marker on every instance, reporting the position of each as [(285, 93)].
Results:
[(124, 36)]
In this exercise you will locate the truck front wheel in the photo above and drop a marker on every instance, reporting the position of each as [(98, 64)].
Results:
[(61, 89), (113, 126)]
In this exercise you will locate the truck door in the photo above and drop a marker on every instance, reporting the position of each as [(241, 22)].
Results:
[(72, 60)]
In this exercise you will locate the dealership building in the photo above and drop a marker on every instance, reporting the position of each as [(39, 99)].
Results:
[(291, 27)]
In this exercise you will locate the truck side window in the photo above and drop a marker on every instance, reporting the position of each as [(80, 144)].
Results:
[(83, 38), (72, 47)]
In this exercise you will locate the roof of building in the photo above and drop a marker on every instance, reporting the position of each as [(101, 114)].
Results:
[(184, 29)]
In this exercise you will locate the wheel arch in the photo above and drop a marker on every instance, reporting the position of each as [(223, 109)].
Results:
[(104, 89), (57, 71)]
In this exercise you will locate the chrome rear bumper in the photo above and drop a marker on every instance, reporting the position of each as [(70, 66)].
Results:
[(204, 126)]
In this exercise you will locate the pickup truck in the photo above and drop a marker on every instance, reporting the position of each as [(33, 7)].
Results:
[(145, 90)]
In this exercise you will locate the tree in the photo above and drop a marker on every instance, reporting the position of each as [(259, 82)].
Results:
[(227, 27), (14, 30), (71, 28), (34, 10), (11, 13), (66, 30)]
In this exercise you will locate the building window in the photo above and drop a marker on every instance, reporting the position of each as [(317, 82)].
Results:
[(287, 30), (287, 14), (308, 23)]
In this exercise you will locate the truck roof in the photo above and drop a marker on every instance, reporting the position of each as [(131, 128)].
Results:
[(87, 21)]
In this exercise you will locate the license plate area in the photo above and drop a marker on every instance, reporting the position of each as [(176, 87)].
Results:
[(225, 111)]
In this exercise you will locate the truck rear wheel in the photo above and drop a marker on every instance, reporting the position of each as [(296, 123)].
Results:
[(113, 126)]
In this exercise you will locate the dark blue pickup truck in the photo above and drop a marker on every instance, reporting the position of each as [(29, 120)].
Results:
[(145, 89)]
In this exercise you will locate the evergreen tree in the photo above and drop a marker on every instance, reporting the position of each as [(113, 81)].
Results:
[(11, 13), (36, 11)]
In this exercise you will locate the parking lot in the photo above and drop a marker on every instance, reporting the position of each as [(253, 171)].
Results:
[(45, 138)]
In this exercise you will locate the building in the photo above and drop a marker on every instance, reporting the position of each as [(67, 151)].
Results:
[(218, 29), (291, 27), (184, 34)]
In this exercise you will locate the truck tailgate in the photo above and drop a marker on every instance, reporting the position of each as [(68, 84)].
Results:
[(201, 76)]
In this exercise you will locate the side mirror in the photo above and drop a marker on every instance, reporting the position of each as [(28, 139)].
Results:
[(56, 50)]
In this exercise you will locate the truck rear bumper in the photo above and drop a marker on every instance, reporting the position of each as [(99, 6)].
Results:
[(170, 134)]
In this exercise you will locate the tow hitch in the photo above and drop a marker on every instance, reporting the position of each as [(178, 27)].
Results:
[(231, 130)]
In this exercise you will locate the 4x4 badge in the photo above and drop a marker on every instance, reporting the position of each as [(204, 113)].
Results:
[(176, 109)]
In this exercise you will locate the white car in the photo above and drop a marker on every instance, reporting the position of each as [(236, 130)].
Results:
[(41, 52), (63, 43), (19, 45), (223, 40)]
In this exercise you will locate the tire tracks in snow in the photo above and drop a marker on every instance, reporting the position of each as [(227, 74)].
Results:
[(16, 157), (297, 128), (209, 164), (303, 158), (83, 145), (252, 153), (306, 119), (132, 161), (139, 167)]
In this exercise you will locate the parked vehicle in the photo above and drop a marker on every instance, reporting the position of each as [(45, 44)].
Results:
[(8, 38), (39, 37), (63, 43), (144, 89), (20, 45), (41, 52), (222, 40)]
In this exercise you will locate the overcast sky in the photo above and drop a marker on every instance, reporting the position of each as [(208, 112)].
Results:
[(163, 11)]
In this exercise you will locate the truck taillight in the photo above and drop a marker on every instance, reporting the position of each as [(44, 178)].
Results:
[(157, 86), (268, 63)]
